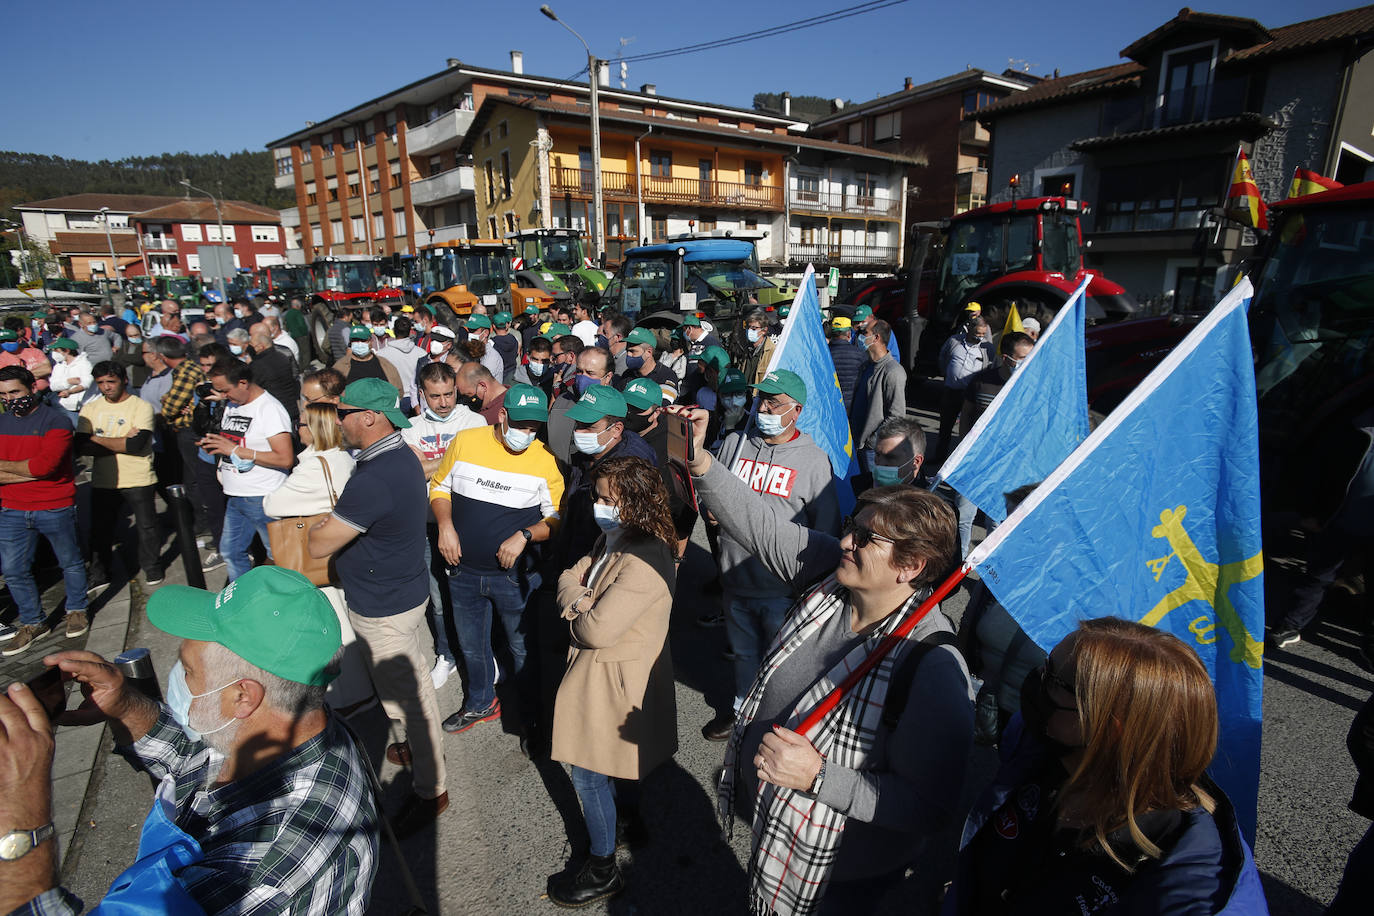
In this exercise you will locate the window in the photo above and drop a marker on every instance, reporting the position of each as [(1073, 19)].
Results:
[(358, 229), (887, 126), (334, 148), (193, 263), (661, 163), (395, 165), (491, 228), (391, 126), (1166, 195), (436, 165), (352, 184), (265, 233), (190, 232), (706, 225), (1057, 185), (98, 267), (753, 172), (379, 225), (505, 174), (336, 235), (316, 235), (282, 159), (398, 222), (510, 222), (502, 130), (332, 186), (751, 224), (307, 151), (374, 180), (486, 138), (491, 182), (350, 136), (368, 133), (977, 100), (212, 233), (1187, 74), (658, 226), (310, 195), (808, 187), (864, 186), (118, 221), (856, 133)]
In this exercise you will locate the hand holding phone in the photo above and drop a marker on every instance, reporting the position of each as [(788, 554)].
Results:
[(51, 691)]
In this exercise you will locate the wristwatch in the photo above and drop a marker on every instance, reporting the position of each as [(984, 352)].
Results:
[(816, 783), (526, 533), (18, 843)]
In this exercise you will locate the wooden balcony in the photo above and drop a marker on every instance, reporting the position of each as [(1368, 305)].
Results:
[(836, 255), (690, 192), (846, 203)]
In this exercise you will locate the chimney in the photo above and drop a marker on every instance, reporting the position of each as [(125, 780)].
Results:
[(517, 62), (452, 62), (906, 84), (787, 104), (836, 105), (649, 89), (603, 74)]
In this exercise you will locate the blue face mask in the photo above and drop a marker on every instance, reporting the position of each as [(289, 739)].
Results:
[(885, 475), (431, 415), (634, 362), (135, 340), (582, 383), (359, 348), (242, 465), (179, 698), (536, 369), (11, 346)]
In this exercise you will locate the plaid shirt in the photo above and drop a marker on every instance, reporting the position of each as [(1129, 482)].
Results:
[(298, 836), (185, 378)]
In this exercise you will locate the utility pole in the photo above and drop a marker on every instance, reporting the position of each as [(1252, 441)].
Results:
[(594, 73), (114, 262), (219, 217)]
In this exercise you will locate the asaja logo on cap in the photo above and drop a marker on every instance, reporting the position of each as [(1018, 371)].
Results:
[(771, 377), (226, 595), (527, 399)]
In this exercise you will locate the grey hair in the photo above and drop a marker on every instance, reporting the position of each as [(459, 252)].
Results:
[(758, 315), (222, 666), (907, 428), (237, 334)]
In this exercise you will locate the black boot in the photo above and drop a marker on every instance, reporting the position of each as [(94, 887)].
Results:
[(598, 879)]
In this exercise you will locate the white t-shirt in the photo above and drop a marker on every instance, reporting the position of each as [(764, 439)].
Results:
[(586, 330), (252, 425), (432, 436)]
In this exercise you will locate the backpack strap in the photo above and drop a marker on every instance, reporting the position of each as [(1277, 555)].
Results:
[(899, 685)]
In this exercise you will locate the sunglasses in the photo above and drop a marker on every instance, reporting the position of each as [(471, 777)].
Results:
[(862, 535), (1047, 677), (349, 411)]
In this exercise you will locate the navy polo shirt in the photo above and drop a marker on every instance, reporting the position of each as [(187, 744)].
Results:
[(386, 500)]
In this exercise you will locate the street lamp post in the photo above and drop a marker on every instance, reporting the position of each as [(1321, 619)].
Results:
[(219, 217), (594, 72), (23, 249), (114, 262)]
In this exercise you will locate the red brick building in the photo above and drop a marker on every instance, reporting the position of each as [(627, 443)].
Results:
[(168, 236)]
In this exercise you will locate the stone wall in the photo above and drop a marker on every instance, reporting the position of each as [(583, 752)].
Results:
[(1039, 139), (1300, 95)]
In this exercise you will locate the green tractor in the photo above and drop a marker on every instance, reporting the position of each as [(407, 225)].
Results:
[(556, 262)]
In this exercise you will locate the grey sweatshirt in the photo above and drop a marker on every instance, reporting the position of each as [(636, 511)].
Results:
[(905, 799), (794, 476), (883, 396)]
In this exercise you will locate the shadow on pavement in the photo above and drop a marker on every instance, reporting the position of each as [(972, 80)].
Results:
[(1285, 900)]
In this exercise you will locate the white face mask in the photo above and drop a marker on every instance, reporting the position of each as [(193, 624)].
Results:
[(607, 517), (734, 402), (179, 699), (753, 334), (536, 369), (517, 440), (588, 442), (360, 348), (235, 349), (771, 424), (436, 347)]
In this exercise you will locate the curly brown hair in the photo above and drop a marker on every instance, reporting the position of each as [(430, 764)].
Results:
[(642, 497)]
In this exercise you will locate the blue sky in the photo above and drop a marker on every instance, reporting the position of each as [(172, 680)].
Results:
[(99, 80)]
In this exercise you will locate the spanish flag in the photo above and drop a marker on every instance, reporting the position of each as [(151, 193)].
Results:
[(1243, 200), (1306, 181)]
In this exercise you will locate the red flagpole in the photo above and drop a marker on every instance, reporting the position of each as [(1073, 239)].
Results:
[(886, 646)]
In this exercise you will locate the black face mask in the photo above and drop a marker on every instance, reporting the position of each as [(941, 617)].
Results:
[(22, 406), (1036, 709), (636, 422)]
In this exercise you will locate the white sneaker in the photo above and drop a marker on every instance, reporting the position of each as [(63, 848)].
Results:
[(8, 632), (443, 669), (495, 666)]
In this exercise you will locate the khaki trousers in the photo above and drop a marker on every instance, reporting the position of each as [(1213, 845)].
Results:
[(391, 646)]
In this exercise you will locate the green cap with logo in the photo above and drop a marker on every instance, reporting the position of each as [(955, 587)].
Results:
[(863, 313), (715, 356), (531, 309), (598, 401), (64, 343), (501, 319), (784, 311), (526, 402), (692, 321), (8, 335), (555, 330), (375, 394), (732, 382), (477, 321), (272, 617), (641, 336), (781, 381), (643, 393), (359, 332)]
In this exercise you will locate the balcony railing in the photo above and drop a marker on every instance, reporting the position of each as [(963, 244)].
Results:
[(446, 130), (845, 203), (445, 186), (449, 233), (840, 255), (974, 132), (971, 182), (159, 243), (654, 189)]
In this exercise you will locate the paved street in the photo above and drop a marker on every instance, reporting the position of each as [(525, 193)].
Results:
[(508, 827)]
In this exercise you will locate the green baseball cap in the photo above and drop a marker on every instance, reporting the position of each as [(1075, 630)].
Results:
[(642, 393), (641, 336), (531, 309), (359, 332), (41, 313), (272, 617), (781, 381), (863, 313), (8, 335), (598, 401), (715, 356), (375, 394), (555, 330), (784, 311), (478, 321), (502, 318), (64, 343), (732, 382), (692, 321), (526, 402)]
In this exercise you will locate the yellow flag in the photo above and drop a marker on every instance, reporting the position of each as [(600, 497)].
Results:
[(1013, 324)]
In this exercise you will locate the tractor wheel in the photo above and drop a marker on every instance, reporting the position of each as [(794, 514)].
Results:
[(321, 319)]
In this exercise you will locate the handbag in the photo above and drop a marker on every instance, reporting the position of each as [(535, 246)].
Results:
[(290, 540)]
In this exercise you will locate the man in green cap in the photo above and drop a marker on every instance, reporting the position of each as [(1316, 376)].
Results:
[(479, 328), (376, 535), (362, 361), (255, 772), (699, 337), (709, 365), (15, 351), (506, 345), (496, 493), (641, 363)]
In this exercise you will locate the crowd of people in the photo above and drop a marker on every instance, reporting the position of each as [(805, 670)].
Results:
[(501, 494)]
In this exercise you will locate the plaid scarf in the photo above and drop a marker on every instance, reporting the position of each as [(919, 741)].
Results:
[(795, 836)]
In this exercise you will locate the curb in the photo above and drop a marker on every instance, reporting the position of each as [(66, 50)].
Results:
[(75, 766)]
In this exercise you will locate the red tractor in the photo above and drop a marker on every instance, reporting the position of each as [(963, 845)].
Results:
[(345, 285)]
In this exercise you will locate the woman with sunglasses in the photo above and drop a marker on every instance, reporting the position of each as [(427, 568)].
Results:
[(837, 815), (615, 717), (1103, 801)]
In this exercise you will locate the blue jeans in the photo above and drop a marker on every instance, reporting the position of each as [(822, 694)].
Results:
[(597, 794), (243, 515), (751, 623), (475, 597), (19, 531)]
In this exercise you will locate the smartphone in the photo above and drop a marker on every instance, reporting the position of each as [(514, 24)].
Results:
[(51, 692), (680, 440)]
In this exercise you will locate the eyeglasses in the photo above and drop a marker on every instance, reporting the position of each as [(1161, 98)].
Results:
[(349, 411), (862, 535), (1047, 677)]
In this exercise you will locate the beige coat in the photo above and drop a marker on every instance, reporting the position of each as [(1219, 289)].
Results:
[(616, 713)]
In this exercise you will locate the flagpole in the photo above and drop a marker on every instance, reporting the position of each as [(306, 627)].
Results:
[(887, 645)]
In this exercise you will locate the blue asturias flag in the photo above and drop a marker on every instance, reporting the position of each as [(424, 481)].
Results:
[(802, 349), (1156, 518), (1036, 420)]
